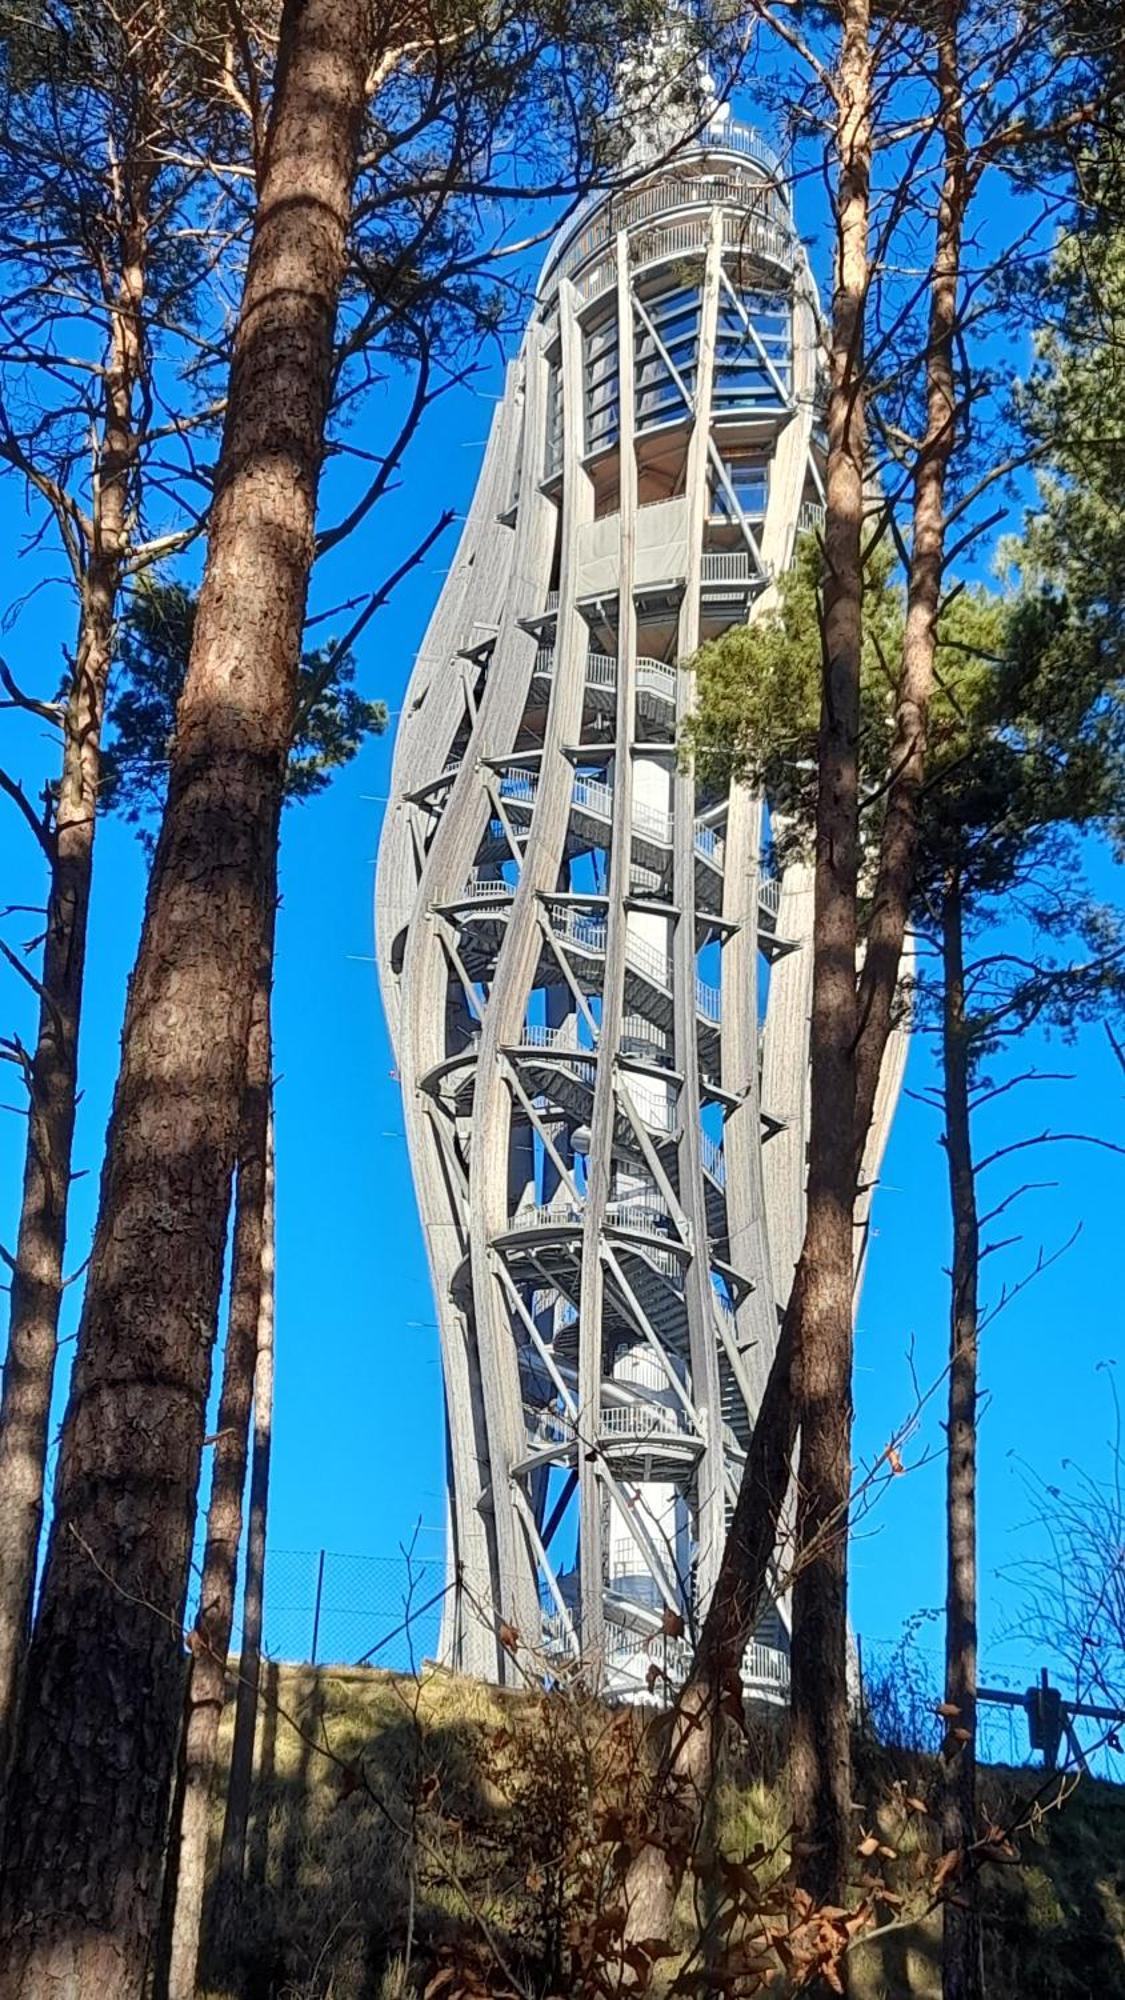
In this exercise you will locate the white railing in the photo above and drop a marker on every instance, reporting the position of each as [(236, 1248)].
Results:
[(640, 1420), (634, 1028), (769, 893), (552, 600), (675, 239), (753, 233), (730, 566), (657, 1112), (740, 139), (577, 926), (631, 1652), (648, 882), (810, 517), (679, 190), (649, 819), (645, 959), (519, 785), (765, 1666), (598, 798), (709, 844), (654, 677), (485, 888), (594, 282), (554, 1215), (601, 670), (712, 1158), (707, 1001), (533, 1035), (643, 1217)]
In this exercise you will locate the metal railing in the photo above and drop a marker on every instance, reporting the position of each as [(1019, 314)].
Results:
[(641, 1420), (652, 676), (534, 1035), (549, 1215), (657, 1112), (678, 189), (577, 926), (645, 959), (712, 1158), (707, 1001), (729, 566), (644, 1218), (769, 893), (709, 844), (598, 798), (519, 785), (810, 517), (485, 888)]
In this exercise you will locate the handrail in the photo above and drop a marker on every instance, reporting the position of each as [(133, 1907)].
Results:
[(519, 784), (707, 1001), (598, 798), (677, 189), (641, 1420), (483, 888), (709, 844)]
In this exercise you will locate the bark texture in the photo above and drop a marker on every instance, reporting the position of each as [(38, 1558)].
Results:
[(820, 1745), (821, 1294), (52, 1074), (232, 1855), (251, 1277), (898, 845), (91, 1777), (962, 1963)]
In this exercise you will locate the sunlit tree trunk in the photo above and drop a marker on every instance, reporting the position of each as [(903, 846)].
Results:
[(818, 1316), (819, 1742), (820, 1749), (232, 1854), (52, 1071), (99, 1724), (962, 1965), (250, 1299)]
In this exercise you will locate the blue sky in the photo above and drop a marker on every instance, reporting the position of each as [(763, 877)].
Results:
[(359, 1449)]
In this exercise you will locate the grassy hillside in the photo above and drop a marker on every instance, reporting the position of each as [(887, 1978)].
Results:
[(465, 1829)]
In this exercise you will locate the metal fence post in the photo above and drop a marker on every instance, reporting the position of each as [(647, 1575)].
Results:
[(316, 1608)]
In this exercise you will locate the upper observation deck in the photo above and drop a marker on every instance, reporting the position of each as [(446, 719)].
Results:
[(726, 165)]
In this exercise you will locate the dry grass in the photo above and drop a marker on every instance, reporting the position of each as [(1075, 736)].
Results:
[(394, 1818)]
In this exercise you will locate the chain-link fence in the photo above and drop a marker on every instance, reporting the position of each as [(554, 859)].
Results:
[(346, 1610), (330, 1609)]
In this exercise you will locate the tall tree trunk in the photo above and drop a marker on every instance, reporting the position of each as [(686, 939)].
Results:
[(962, 1964), (232, 1854), (820, 1747), (818, 1314), (100, 1721), (37, 1276), (894, 881), (251, 1275), (820, 1768), (820, 1743)]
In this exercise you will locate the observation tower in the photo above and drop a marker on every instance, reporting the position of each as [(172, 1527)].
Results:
[(597, 991)]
